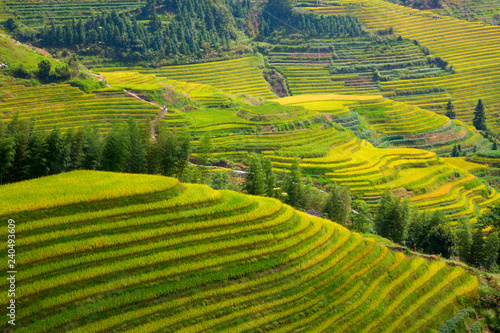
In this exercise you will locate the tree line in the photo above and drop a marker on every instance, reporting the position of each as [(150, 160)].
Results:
[(477, 245), (27, 153), (197, 27), (278, 15)]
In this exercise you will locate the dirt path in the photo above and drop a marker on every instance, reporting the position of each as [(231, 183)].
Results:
[(155, 122), (239, 172), (157, 119), (131, 94)]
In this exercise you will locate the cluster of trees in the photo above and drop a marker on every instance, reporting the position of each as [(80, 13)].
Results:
[(480, 246), (423, 232), (279, 14), (299, 192), (26, 153), (477, 245), (45, 74), (197, 28), (291, 188)]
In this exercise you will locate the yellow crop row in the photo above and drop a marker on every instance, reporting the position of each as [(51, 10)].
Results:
[(77, 187)]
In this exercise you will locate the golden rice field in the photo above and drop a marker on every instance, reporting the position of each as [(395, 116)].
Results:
[(69, 107), (121, 80), (238, 76), (472, 48), (104, 256)]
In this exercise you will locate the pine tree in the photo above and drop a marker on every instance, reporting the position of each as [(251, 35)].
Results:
[(477, 249), (267, 165), (293, 185), (449, 110), (167, 149), (91, 147), (479, 120), (255, 181), (184, 150), (206, 148), (116, 150), (7, 152), (137, 139), (74, 142), (44, 68), (442, 241), (491, 248), (37, 156), (455, 152), (338, 205), (58, 155), (464, 241), (392, 218)]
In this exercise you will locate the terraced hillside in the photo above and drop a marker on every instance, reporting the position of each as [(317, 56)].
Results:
[(346, 66), (105, 252), (38, 12), (392, 123), (471, 10), (69, 107), (430, 182), (238, 76), (472, 49), (14, 54), (120, 80)]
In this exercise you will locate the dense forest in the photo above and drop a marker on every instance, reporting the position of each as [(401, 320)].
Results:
[(27, 153), (182, 30)]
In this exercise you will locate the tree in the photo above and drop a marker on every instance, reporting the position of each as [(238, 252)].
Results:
[(116, 150), (456, 151), (44, 68), (293, 185), (442, 241), (91, 147), (277, 9), (37, 156), (477, 249), (220, 180), (479, 120), (74, 142), (338, 205), (491, 218), (392, 216), (184, 149), (57, 156), (449, 110), (206, 148), (7, 152), (11, 24), (137, 155), (491, 248), (267, 165), (167, 145), (464, 241), (255, 182)]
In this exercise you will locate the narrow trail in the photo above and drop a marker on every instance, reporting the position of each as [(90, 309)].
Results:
[(239, 172), (158, 118), (131, 94)]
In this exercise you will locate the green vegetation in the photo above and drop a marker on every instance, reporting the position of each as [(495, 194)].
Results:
[(68, 107), (153, 254), (30, 153), (476, 74)]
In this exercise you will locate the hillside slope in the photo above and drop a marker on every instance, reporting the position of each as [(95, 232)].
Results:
[(105, 252), (472, 49)]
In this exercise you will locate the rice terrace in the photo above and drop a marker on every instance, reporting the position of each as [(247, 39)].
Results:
[(250, 166)]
